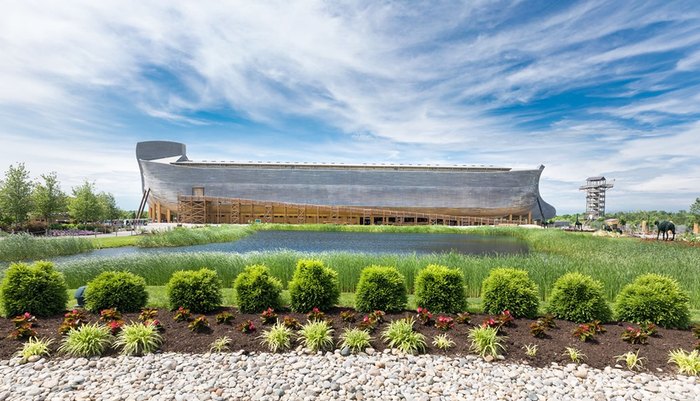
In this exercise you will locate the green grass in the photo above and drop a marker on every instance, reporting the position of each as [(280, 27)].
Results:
[(19, 247), (181, 236), (115, 242), (613, 261)]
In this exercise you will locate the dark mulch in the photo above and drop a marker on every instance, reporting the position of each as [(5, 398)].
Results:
[(599, 353)]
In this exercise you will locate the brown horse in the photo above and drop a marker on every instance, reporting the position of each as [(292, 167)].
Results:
[(663, 228)]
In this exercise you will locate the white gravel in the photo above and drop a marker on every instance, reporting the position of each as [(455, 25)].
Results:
[(297, 376)]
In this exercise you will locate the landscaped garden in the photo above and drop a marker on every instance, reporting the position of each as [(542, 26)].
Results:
[(562, 310)]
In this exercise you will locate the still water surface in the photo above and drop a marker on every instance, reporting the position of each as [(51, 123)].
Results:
[(328, 241)]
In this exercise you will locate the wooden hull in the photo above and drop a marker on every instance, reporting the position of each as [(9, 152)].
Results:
[(449, 190)]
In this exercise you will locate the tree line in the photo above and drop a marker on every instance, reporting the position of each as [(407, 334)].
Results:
[(23, 199), (635, 218)]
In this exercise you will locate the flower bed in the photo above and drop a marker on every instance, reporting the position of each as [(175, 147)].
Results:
[(600, 350)]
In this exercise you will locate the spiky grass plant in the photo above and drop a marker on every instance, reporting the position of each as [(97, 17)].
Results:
[(632, 360), (35, 346), (219, 345), (400, 335), (574, 354), (688, 362), (138, 339), (530, 350), (277, 338), (355, 339), (485, 341), (87, 340), (443, 342), (316, 335)]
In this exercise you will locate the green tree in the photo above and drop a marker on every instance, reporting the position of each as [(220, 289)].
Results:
[(48, 198), (110, 211), (695, 210), (16, 194), (85, 205)]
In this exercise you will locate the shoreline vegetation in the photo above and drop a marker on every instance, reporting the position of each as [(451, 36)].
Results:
[(22, 247), (613, 261)]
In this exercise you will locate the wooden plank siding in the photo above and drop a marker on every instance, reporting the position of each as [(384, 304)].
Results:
[(218, 210)]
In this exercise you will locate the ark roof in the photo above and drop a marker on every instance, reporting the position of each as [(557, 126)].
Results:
[(338, 166)]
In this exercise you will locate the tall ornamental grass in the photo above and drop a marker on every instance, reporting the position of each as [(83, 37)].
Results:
[(19, 247), (614, 262)]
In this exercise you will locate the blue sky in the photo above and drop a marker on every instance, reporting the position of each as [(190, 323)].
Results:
[(585, 88)]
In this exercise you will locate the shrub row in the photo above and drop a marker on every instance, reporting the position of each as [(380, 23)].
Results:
[(41, 290)]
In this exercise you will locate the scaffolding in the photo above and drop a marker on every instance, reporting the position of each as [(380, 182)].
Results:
[(217, 210), (595, 188)]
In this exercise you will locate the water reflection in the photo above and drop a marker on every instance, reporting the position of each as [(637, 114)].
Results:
[(325, 241)]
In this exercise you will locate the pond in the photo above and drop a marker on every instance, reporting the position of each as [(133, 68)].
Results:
[(328, 241)]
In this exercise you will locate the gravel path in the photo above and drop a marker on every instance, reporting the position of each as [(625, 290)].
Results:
[(296, 376)]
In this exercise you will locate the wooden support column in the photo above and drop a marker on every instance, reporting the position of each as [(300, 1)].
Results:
[(167, 215), (529, 218), (158, 212)]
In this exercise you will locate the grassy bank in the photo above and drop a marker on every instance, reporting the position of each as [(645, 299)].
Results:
[(181, 236), (115, 242), (614, 261), (367, 229), (24, 247)]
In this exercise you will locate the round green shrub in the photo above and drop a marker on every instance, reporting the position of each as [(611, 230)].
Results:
[(196, 290), (38, 289), (256, 290), (510, 289), (440, 289), (380, 288), (654, 298), (124, 291), (579, 298), (313, 285)]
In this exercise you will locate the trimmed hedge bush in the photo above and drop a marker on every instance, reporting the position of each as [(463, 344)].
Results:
[(654, 298), (380, 288), (440, 289), (196, 290), (510, 289), (313, 285), (38, 289), (256, 290), (122, 290), (579, 298)]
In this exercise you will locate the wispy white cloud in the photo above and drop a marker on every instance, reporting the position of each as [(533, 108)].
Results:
[(397, 81)]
